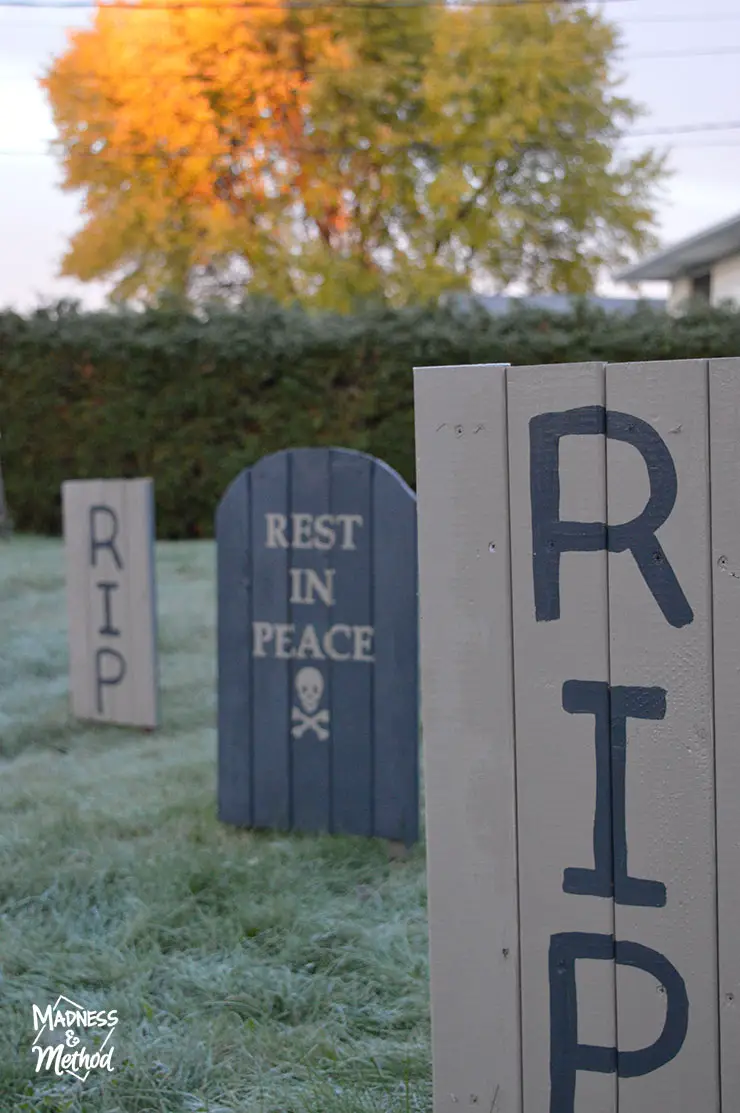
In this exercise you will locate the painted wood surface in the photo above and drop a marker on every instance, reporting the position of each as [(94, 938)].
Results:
[(468, 731), (623, 515), (111, 600), (661, 658), (318, 646), (561, 666), (5, 524), (724, 394)]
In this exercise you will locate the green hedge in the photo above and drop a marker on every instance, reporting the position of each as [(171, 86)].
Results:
[(192, 401)]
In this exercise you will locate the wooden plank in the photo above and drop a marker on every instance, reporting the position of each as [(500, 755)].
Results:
[(271, 678), (109, 542), (557, 474), (352, 681), (141, 598), (467, 712), (724, 394), (234, 590), (395, 695), (5, 520), (310, 573), (75, 526), (661, 640)]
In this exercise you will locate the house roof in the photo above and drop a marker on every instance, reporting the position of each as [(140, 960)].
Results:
[(697, 251)]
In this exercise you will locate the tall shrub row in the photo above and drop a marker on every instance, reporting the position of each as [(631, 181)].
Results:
[(191, 400)]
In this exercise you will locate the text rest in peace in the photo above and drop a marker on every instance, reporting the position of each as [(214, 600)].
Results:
[(338, 643)]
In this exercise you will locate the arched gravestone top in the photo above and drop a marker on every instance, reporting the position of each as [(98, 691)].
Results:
[(318, 646)]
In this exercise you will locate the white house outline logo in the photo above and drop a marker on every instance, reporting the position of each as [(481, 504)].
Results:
[(66, 1003)]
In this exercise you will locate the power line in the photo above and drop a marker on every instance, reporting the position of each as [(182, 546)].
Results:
[(420, 147), (686, 129), (509, 52), (711, 145), (701, 52), (309, 5), (710, 17)]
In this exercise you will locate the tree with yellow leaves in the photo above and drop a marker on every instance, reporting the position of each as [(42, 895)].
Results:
[(340, 152)]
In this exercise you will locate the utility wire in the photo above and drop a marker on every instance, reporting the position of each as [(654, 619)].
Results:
[(508, 52), (420, 148), (680, 146), (710, 17), (700, 52), (310, 5)]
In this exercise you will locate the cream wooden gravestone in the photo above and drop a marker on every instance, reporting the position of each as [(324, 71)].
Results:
[(109, 545), (579, 554)]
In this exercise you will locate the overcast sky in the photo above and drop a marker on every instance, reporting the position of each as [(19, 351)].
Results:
[(696, 81)]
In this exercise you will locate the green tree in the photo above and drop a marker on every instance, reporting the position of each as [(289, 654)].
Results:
[(338, 154)]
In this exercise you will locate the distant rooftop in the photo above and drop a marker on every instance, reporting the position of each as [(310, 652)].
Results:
[(688, 255), (561, 303)]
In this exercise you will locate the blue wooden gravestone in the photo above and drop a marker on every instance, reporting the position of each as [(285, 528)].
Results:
[(317, 646)]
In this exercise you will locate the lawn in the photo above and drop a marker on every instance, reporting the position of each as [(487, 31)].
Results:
[(251, 973)]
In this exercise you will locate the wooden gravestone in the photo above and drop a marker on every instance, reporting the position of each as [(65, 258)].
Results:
[(6, 526), (579, 541), (111, 600), (317, 647)]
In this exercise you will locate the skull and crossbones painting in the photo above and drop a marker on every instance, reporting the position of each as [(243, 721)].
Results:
[(309, 687)]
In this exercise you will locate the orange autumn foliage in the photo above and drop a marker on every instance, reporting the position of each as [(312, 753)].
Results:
[(328, 154)]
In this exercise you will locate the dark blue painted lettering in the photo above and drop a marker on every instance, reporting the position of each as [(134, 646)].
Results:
[(96, 512), (635, 1064), (108, 627), (103, 681), (567, 1055), (611, 707), (630, 703), (551, 537)]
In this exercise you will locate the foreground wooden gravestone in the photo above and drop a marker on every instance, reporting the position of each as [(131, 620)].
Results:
[(111, 600), (579, 540), (317, 647)]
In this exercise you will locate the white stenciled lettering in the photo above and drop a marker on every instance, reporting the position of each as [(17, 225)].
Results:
[(339, 643), (363, 643), (283, 634), (309, 646), (308, 531), (331, 649), (306, 584), (262, 633), (276, 526), (348, 522), (326, 536), (302, 531)]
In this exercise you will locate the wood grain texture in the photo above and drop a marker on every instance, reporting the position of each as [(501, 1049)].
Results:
[(318, 701), (311, 764), (724, 393), (234, 633), (111, 600), (353, 704), (468, 731), (670, 760), (396, 671), (268, 734), (555, 750)]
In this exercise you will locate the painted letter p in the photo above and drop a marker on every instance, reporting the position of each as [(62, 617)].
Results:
[(567, 1055)]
